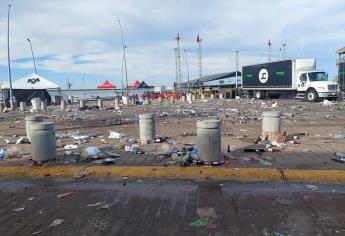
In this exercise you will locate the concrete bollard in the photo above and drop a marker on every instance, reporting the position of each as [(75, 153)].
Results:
[(100, 103), (133, 100), (63, 105), (212, 96), (172, 99), (189, 97), (147, 128), (271, 122), (146, 101), (125, 100), (81, 103), (22, 106), (36, 104), (203, 96), (183, 99), (30, 120), (209, 140), (43, 105), (221, 96), (2, 106), (193, 97), (43, 141), (160, 100)]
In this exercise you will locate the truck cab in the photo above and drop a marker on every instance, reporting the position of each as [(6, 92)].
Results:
[(315, 84)]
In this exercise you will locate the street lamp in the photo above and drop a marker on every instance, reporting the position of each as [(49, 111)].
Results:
[(8, 58), (124, 56), (32, 53)]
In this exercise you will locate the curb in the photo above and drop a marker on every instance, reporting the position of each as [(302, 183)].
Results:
[(190, 173)]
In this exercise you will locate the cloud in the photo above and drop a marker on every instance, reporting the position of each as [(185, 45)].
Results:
[(82, 36)]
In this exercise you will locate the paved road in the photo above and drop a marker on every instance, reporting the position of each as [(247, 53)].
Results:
[(168, 207)]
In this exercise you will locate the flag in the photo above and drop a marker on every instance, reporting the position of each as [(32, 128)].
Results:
[(198, 39)]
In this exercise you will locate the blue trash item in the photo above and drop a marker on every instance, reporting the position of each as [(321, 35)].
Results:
[(134, 151), (2, 154)]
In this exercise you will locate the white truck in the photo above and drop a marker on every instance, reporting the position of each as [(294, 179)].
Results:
[(296, 77)]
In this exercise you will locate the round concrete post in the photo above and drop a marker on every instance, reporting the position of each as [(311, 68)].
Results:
[(203, 96), (193, 97), (81, 103), (146, 101), (30, 120), (271, 122), (212, 96), (63, 105), (22, 106), (100, 103), (221, 96), (2, 106), (183, 98), (160, 100), (189, 97), (43, 105), (133, 100), (147, 128), (125, 100), (36, 104), (209, 140), (43, 141)]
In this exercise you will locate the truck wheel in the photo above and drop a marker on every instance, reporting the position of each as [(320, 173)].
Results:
[(258, 94), (312, 95)]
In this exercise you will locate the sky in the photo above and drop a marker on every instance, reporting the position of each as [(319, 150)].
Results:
[(75, 37)]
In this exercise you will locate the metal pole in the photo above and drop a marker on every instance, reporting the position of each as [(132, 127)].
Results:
[(124, 56), (84, 85), (187, 67), (8, 58), (122, 76), (32, 53), (236, 67)]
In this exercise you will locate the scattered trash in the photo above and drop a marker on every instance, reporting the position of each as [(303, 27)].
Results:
[(340, 136), (99, 223), (199, 223), (22, 140), (19, 209), (2, 154), (80, 175), (312, 187), (114, 134), (90, 152), (31, 198), (66, 194), (36, 232), (71, 147), (56, 222), (94, 204)]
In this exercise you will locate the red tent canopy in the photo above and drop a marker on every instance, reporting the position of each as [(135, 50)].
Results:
[(106, 85), (136, 83)]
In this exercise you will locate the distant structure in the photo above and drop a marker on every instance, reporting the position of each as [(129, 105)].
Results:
[(269, 44), (284, 50), (198, 41), (341, 68), (176, 68), (178, 55)]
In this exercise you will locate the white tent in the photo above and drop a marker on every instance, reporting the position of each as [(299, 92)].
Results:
[(32, 81)]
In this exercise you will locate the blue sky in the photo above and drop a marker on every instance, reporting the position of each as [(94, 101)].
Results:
[(72, 37)]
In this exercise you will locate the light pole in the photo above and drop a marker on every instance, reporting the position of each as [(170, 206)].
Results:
[(187, 67), (32, 53), (124, 56), (8, 58)]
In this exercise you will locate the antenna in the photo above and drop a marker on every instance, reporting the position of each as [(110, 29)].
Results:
[(284, 50), (269, 50), (179, 72), (198, 40), (176, 68)]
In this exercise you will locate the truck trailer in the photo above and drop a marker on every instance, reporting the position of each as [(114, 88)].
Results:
[(296, 77)]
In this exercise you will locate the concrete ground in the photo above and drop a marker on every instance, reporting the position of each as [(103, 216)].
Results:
[(241, 125), (141, 207)]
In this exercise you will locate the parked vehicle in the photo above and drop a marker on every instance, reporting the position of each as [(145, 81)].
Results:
[(296, 77)]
